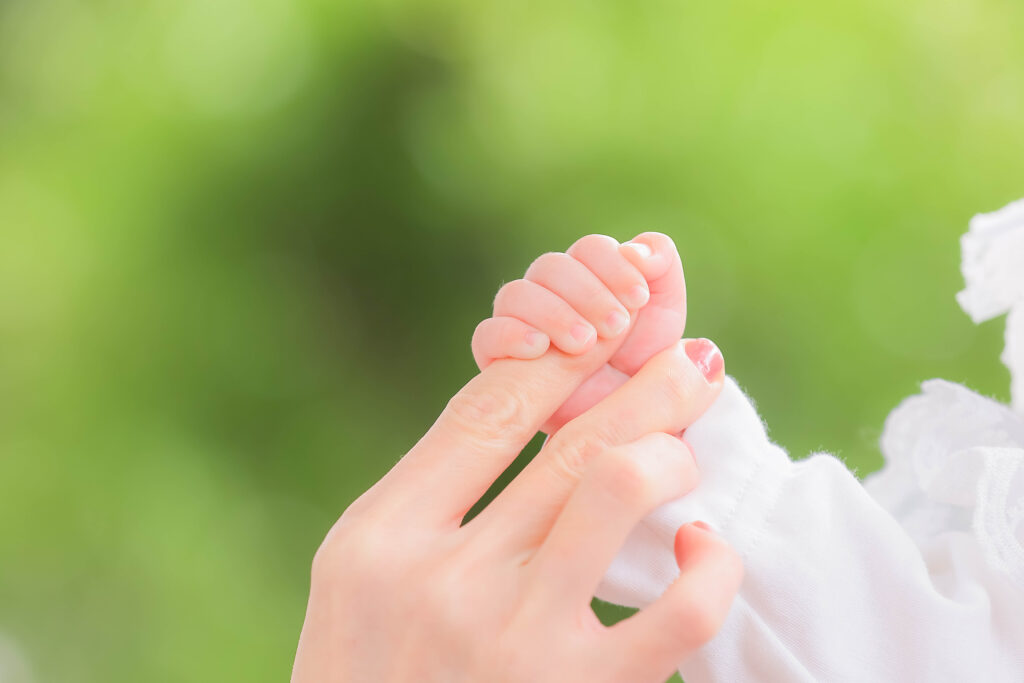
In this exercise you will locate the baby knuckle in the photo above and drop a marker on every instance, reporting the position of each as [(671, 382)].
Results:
[(481, 329), (507, 293), (545, 263), (510, 334), (597, 291), (479, 339), (658, 239), (592, 243)]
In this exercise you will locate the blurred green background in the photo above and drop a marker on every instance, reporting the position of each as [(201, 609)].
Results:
[(243, 246)]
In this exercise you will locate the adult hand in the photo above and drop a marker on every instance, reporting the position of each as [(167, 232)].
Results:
[(401, 591)]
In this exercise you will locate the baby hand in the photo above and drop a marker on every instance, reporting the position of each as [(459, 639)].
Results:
[(633, 293)]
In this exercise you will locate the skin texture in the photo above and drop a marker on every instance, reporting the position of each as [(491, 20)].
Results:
[(402, 591)]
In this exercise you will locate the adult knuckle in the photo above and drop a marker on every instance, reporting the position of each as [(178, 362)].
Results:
[(731, 570), (452, 589), (488, 412), (626, 479), (673, 457), (324, 563), (664, 442), (516, 664), (514, 655), (440, 594), (699, 619), (448, 595), (677, 382), (356, 549), (573, 452), (330, 561)]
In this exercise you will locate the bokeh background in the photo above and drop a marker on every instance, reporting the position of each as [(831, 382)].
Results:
[(243, 246)]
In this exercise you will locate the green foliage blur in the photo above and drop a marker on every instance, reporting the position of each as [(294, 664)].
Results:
[(243, 246)]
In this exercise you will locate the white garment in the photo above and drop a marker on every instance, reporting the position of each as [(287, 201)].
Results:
[(916, 575)]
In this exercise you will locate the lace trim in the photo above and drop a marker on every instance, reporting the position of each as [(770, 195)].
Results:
[(997, 512), (958, 463)]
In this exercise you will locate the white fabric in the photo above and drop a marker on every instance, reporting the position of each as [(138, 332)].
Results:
[(915, 575), (993, 268)]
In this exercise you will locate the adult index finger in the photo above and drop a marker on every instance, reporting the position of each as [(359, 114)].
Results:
[(667, 395), (484, 427)]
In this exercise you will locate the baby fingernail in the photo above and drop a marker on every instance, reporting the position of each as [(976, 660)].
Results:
[(638, 296), (582, 333), (639, 247), (617, 323), (702, 525), (706, 356), (535, 340)]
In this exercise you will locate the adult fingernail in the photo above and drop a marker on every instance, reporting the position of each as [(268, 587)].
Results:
[(582, 333), (640, 248), (617, 323), (706, 356)]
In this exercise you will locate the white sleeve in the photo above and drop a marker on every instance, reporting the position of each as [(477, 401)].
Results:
[(923, 583), (917, 575)]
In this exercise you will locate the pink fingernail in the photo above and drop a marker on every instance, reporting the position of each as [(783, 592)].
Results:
[(617, 323), (639, 295), (706, 356), (640, 248), (702, 525), (535, 340), (582, 333)]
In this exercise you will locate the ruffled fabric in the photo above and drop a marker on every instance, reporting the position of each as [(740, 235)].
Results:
[(1013, 354), (955, 459), (955, 464), (915, 575), (993, 268)]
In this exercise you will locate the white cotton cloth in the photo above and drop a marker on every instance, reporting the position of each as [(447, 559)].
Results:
[(915, 575)]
